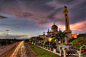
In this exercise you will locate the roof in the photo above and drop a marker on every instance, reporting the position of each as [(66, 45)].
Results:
[(54, 27)]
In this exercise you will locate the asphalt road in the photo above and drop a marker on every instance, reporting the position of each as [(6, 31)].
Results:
[(20, 51)]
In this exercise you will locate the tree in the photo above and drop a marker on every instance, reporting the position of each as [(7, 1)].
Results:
[(70, 40), (38, 38), (79, 42), (83, 28), (53, 43), (60, 35), (80, 35)]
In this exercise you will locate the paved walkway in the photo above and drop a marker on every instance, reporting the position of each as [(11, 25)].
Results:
[(32, 53)]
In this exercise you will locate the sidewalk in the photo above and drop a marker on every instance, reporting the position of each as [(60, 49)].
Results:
[(32, 53)]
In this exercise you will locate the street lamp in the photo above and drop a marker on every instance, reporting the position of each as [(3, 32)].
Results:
[(49, 41), (6, 37), (16, 36)]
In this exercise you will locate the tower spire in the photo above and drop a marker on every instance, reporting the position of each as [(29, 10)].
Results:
[(43, 33), (59, 29), (48, 30), (66, 19), (54, 23)]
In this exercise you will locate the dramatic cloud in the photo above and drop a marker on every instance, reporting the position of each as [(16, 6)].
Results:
[(18, 12), (3, 17), (46, 12), (81, 26)]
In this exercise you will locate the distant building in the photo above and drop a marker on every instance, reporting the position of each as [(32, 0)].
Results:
[(74, 36)]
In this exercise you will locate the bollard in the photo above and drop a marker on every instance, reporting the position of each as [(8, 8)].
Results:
[(54, 50), (60, 51), (64, 52)]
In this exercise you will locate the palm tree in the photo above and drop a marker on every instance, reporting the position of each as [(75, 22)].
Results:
[(60, 35), (39, 39)]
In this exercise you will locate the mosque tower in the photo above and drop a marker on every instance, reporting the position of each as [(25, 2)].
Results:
[(67, 27), (66, 20)]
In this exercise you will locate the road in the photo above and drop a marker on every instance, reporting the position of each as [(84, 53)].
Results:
[(5, 50), (20, 51)]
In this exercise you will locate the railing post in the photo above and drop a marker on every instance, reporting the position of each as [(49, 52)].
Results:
[(60, 51), (54, 50), (64, 52), (50, 49)]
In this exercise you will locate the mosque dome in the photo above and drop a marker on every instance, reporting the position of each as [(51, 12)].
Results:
[(54, 26)]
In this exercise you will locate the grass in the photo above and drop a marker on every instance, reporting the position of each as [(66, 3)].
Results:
[(27, 50), (41, 52), (10, 51)]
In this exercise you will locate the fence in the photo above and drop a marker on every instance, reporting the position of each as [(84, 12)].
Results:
[(53, 50)]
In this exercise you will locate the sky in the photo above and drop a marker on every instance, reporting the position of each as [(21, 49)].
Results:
[(28, 18)]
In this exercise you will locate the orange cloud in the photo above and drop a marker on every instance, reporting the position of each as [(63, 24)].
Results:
[(77, 26)]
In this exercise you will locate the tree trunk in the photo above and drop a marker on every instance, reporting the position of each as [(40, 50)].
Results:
[(57, 43), (62, 42)]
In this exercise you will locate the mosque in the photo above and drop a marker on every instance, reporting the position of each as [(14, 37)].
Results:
[(54, 29)]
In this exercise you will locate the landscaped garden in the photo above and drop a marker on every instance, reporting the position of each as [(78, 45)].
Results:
[(41, 52)]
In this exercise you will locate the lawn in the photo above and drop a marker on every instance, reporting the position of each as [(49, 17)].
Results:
[(41, 52), (27, 49)]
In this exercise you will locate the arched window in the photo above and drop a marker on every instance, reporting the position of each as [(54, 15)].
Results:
[(65, 14)]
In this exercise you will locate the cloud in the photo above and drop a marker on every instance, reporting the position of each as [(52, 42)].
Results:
[(75, 11), (3, 17), (30, 23), (47, 12), (12, 36), (17, 27), (43, 28), (81, 26), (18, 12)]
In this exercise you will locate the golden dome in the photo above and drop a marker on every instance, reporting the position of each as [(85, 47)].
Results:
[(54, 26)]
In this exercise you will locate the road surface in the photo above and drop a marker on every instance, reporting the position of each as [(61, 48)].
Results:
[(20, 51)]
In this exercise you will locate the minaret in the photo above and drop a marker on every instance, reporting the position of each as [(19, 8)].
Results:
[(48, 32), (43, 33), (66, 20), (54, 23), (67, 27)]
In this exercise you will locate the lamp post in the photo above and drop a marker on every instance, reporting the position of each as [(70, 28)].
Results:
[(6, 37), (16, 36), (49, 41)]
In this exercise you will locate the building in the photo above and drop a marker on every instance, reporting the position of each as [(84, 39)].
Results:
[(50, 34), (74, 36), (54, 29)]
